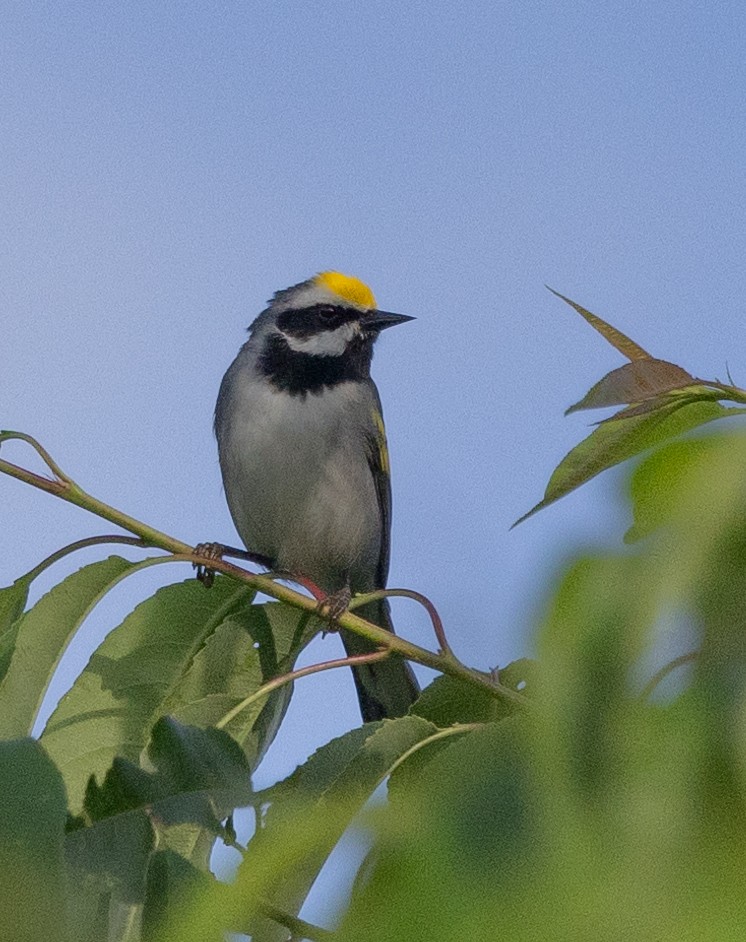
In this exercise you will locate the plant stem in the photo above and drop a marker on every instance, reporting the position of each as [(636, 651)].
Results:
[(81, 544), (288, 678), (423, 600), (455, 730), (732, 393), (665, 671), (299, 928)]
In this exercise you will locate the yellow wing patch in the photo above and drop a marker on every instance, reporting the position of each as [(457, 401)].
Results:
[(347, 287), (383, 450)]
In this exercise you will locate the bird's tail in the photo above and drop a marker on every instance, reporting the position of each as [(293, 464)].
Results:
[(386, 688)]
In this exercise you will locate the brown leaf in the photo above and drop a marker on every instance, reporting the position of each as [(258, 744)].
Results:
[(637, 381), (616, 338)]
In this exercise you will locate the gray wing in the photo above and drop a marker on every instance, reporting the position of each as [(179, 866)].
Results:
[(378, 462)]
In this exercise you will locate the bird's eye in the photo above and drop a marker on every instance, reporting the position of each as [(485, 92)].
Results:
[(327, 313)]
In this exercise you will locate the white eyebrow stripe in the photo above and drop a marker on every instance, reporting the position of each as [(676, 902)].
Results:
[(329, 343)]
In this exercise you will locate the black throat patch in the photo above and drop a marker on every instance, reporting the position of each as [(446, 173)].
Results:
[(302, 373)]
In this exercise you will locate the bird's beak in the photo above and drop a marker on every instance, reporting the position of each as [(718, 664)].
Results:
[(380, 320)]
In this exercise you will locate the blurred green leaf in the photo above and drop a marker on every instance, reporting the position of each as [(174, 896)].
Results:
[(110, 855), (690, 499), (330, 788), (43, 633), (450, 844), (306, 814), (616, 441), (658, 485), (32, 820), (172, 884), (634, 382)]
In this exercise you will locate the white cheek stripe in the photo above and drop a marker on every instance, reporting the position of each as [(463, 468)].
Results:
[(329, 343)]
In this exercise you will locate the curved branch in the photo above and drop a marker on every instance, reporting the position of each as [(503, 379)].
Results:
[(7, 436), (299, 928), (288, 678), (667, 669), (78, 545), (423, 600)]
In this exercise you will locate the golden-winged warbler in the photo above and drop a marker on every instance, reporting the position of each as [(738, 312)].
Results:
[(303, 455)]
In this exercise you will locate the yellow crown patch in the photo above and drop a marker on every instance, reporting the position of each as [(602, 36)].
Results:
[(347, 287)]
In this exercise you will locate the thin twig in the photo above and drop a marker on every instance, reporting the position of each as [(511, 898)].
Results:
[(299, 927), (423, 600), (78, 545), (6, 436), (282, 679), (454, 730), (665, 671)]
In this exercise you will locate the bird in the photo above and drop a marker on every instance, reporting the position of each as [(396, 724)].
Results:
[(304, 460)]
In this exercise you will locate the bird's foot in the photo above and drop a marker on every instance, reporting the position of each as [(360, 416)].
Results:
[(217, 551), (208, 551), (332, 607)]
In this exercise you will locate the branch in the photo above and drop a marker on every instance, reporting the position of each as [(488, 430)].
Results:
[(423, 600), (455, 730), (299, 928), (667, 669), (65, 488), (288, 678), (81, 544)]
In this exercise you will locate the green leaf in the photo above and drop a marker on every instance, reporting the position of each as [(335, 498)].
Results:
[(112, 706), (201, 774), (250, 647), (693, 504), (328, 790), (172, 885), (198, 777), (634, 382), (13, 600), (43, 633), (615, 337), (186, 651), (449, 844), (32, 821), (616, 441), (110, 856), (448, 700)]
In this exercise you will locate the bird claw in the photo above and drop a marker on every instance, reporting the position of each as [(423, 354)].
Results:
[(333, 606), (210, 551)]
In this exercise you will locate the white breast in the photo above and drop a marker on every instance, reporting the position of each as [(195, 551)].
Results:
[(297, 478)]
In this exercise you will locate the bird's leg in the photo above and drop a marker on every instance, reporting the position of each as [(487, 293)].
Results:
[(288, 576), (331, 607), (216, 551)]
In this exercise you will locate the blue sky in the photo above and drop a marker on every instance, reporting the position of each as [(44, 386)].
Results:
[(166, 167)]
